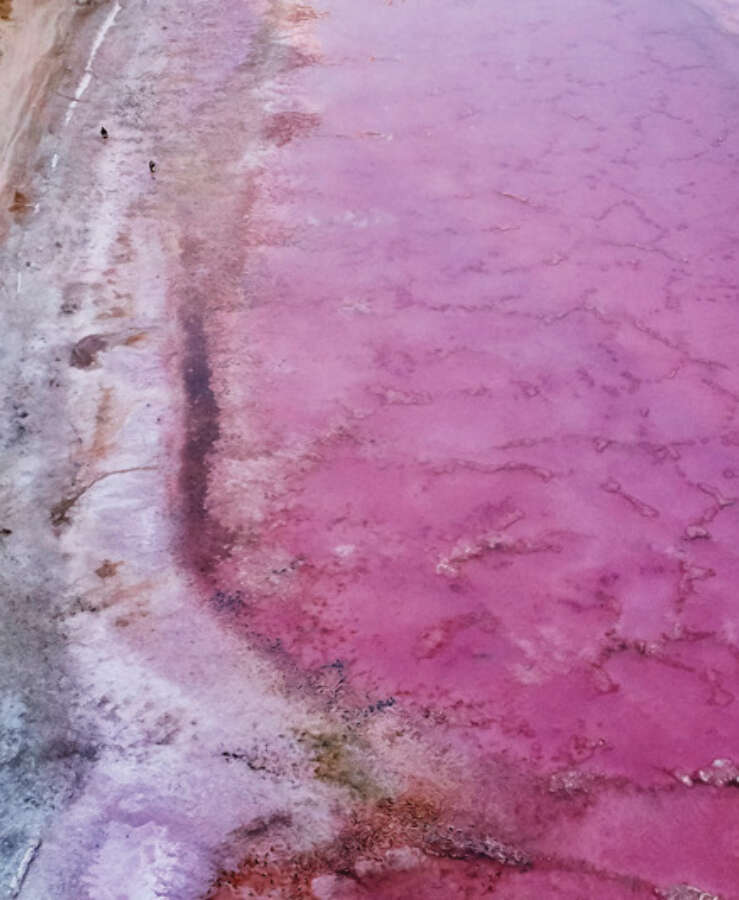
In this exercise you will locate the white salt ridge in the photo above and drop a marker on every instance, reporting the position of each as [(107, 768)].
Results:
[(87, 75)]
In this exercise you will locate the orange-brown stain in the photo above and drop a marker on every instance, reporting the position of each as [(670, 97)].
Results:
[(301, 12), (135, 339), (20, 203), (372, 831), (107, 569), (102, 435)]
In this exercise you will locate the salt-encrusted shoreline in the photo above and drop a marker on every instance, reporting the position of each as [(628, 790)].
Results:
[(46, 744), (130, 761)]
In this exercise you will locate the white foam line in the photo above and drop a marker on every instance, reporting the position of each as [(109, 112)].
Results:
[(55, 161), (20, 876), (87, 75), (18, 283)]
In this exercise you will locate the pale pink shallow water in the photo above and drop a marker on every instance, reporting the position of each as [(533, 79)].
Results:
[(483, 391)]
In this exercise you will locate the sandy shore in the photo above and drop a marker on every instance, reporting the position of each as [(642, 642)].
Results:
[(32, 35), (116, 649)]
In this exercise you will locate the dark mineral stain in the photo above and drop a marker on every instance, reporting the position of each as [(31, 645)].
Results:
[(284, 127), (262, 825), (64, 748), (20, 204), (226, 601), (72, 298), (84, 353), (107, 569), (206, 541), (58, 512)]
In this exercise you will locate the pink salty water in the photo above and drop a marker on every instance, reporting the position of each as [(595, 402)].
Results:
[(474, 436)]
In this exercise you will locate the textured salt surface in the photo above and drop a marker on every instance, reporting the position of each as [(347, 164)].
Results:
[(369, 472)]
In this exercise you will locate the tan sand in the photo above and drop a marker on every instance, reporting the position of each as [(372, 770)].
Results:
[(31, 34)]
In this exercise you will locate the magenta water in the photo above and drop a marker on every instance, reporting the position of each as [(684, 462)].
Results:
[(477, 440)]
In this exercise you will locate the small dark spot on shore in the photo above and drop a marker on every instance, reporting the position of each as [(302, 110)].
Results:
[(381, 704), (58, 512), (107, 569), (63, 748), (241, 756), (228, 601)]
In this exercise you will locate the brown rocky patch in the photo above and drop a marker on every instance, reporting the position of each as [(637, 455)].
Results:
[(84, 353), (21, 203), (107, 569)]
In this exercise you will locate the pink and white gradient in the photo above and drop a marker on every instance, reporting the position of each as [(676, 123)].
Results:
[(430, 551)]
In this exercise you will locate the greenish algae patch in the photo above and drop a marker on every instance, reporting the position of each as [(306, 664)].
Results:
[(336, 759)]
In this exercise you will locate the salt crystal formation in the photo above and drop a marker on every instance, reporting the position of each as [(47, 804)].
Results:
[(369, 449)]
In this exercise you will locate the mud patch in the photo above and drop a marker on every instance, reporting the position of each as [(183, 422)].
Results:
[(206, 541), (85, 351), (20, 205), (107, 569), (285, 127)]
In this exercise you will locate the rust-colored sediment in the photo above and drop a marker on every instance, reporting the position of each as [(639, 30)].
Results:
[(372, 835), (31, 64)]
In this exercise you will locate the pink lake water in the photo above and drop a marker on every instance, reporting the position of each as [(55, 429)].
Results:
[(451, 289), (477, 421)]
